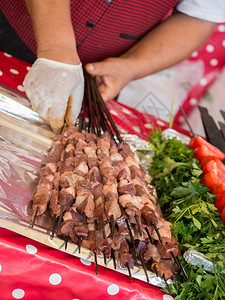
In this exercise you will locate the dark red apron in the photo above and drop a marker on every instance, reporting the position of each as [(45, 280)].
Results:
[(103, 28)]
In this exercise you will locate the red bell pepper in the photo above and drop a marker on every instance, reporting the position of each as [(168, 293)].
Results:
[(220, 201), (211, 179), (216, 165), (206, 159), (223, 215), (218, 188), (201, 152), (198, 142)]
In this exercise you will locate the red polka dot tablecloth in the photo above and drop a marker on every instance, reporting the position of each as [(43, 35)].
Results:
[(212, 55), (32, 271)]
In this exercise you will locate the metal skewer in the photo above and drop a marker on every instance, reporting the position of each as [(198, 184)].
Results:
[(177, 261), (175, 282), (79, 244), (186, 120), (35, 216), (144, 266), (149, 236), (60, 218), (66, 242), (103, 230), (131, 237), (112, 225), (138, 224), (104, 256), (96, 262), (167, 286), (53, 226), (113, 258), (158, 234), (128, 268)]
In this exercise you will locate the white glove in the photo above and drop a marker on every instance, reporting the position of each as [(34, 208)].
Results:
[(55, 90)]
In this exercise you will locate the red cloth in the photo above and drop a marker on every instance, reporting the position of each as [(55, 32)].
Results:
[(211, 55), (32, 271), (103, 28)]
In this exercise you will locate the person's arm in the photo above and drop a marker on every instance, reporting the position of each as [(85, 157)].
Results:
[(169, 43), (55, 82), (164, 46), (51, 21)]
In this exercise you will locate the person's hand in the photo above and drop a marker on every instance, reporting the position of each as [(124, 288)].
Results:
[(112, 75), (55, 90)]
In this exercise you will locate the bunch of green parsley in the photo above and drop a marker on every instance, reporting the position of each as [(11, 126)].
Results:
[(189, 206)]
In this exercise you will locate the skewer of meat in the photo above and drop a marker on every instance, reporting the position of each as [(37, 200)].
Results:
[(103, 182)]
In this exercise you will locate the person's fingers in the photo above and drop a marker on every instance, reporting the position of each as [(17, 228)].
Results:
[(73, 110), (99, 68), (74, 104), (105, 92), (56, 114)]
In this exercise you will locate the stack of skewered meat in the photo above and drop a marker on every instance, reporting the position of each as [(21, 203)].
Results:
[(97, 193)]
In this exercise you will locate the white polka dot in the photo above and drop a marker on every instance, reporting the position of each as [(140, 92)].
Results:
[(181, 119), (1, 73), (113, 289), (194, 54), (18, 293), (209, 48), (193, 101), (147, 125), (0, 268), (7, 54), (123, 130), (85, 262), (28, 68), (223, 43), (14, 71), (20, 88), (167, 297), (221, 28), (137, 129), (55, 279), (203, 81), (213, 62), (126, 111), (160, 123), (113, 112), (31, 249)]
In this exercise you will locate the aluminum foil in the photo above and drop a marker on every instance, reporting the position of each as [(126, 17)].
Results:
[(20, 158), (201, 261), (171, 133)]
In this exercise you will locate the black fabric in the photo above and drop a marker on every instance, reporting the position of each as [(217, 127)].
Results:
[(12, 44)]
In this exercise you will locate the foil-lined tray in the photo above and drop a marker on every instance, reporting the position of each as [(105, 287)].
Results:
[(24, 141)]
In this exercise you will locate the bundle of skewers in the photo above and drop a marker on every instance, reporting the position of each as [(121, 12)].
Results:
[(98, 197)]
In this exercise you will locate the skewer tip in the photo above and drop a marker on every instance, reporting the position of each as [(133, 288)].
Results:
[(35, 216), (53, 226), (96, 263), (128, 268)]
